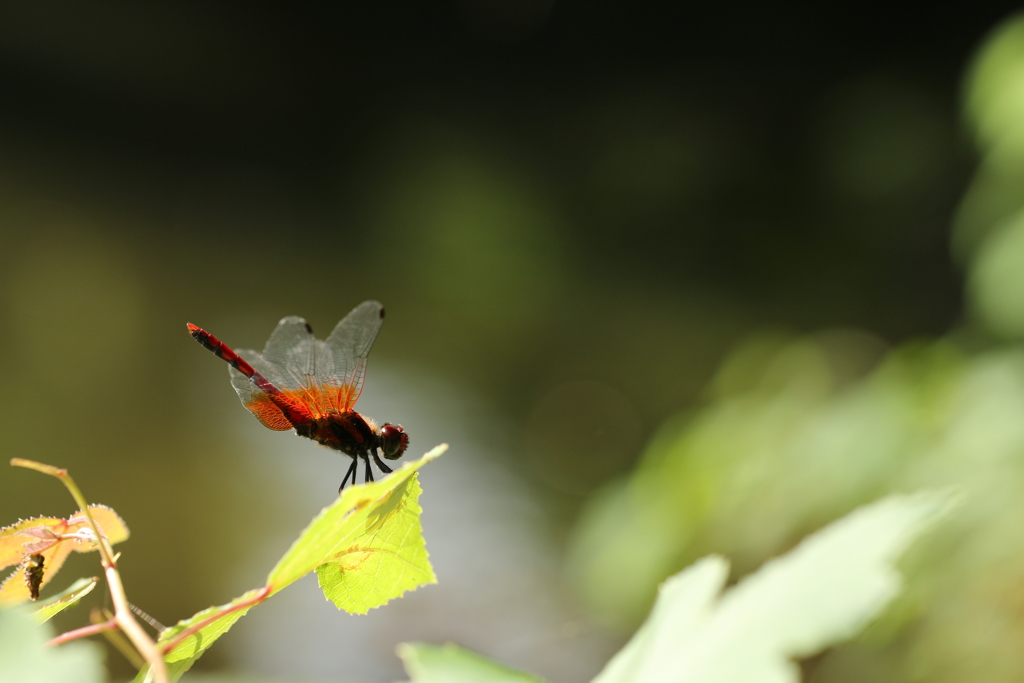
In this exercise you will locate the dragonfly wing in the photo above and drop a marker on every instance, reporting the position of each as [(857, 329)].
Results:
[(349, 345), (243, 385), (278, 413), (290, 352), (300, 366)]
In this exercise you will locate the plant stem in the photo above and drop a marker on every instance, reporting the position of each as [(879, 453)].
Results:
[(123, 615), (90, 630)]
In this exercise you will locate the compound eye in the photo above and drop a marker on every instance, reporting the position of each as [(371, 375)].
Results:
[(393, 441)]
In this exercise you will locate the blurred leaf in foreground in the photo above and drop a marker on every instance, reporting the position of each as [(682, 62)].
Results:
[(791, 439), (824, 591), (453, 664), (25, 657)]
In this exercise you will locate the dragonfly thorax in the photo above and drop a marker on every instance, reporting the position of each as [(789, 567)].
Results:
[(348, 432)]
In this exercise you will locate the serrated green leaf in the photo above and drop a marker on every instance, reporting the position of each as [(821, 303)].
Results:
[(453, 664), (820, 593), (387, 559), (25, 657), (367, 547), (69, 597), (372, 533)]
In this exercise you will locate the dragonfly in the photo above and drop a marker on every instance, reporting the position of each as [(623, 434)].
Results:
[(302, 383)]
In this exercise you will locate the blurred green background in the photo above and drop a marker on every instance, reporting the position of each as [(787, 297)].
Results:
[(670, 279)]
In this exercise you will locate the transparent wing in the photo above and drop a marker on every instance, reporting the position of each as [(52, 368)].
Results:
[(289, 358), (242, 385), (279, 394), (257, 401), (348, 346)]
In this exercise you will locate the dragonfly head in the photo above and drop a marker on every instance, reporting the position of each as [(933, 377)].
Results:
[(393, 441)]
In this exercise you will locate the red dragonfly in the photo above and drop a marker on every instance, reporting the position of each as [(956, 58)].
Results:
[(312, 386)]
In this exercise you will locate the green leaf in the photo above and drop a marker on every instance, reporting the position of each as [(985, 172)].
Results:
[(367, 547), (25, 657), (205, 627), (822, 592), (452, 664), (369, 544), (384, 558), (217, 622), (69, 597)]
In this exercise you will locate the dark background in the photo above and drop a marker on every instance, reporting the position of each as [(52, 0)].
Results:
[(572, 211)]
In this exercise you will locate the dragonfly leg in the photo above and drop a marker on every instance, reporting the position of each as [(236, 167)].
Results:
[(351, 473), (369, 470), (383, 468)]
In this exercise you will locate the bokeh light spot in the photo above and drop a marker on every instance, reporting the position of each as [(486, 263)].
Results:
[(997, 279)]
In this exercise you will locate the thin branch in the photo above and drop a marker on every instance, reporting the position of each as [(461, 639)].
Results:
[(118, 641), (145, 645), (85, 631)]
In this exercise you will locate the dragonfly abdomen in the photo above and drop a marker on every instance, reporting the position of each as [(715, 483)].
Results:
[(223, 351)]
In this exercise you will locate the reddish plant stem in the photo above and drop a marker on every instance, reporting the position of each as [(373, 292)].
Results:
[(195, 628), (90, 630)]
